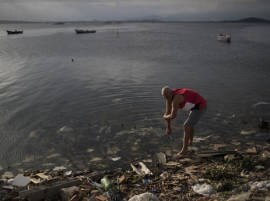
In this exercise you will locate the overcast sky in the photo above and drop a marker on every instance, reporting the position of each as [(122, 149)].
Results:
[(73, 10)]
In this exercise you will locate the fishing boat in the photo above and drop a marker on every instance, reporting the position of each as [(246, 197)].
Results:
[(82, 31), (14, 32), (224, 37)]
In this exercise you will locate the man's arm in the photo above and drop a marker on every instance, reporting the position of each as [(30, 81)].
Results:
[(175, 105)]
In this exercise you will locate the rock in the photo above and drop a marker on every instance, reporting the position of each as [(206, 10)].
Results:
[(160, 158), (203, 189), (144, 197), (21, 181), (68, 193)]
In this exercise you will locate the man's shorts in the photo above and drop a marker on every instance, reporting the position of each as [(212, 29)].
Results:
[(193, 117)]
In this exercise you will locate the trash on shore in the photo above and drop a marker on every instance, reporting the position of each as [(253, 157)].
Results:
[(203, 189), (219, 175), (144, 197), (141, 170)]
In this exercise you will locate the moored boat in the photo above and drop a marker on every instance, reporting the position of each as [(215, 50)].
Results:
[(14, 32), (82, 31), (224, 37)]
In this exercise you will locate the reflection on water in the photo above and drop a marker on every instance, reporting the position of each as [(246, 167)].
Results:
[(82, 101)]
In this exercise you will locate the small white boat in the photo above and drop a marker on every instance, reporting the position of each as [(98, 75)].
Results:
[(224, 37)]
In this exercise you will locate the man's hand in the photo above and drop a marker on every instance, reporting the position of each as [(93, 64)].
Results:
[(167, 116)]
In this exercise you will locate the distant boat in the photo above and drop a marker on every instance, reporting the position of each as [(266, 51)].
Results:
[(14, 32), (224, 37), (82, 31)]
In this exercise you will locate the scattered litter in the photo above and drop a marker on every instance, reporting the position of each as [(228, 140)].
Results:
[(35, 181), (240, 197), (43, 176), (68, 173), (7, 175), (248, 132), (59, 168), (65, 129), (96, 159), (258, 185), (144, 197), (259, 167), (252, 150), (90, 150), (165, 175), (199, 139), (106, 183), (115, 158), (8, 187), (21, 181), (203, 189), (55, 155), (142, 170)]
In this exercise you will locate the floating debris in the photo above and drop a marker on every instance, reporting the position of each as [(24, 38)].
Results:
[(65, 129)]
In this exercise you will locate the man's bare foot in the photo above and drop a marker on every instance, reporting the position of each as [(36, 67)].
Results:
[(181, 154)]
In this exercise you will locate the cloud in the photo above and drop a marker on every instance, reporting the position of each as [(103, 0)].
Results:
[(128, 9)]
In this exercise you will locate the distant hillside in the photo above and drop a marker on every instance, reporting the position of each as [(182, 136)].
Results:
[(250, 20)]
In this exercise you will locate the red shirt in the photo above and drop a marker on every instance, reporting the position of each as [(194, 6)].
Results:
[(192, 99)]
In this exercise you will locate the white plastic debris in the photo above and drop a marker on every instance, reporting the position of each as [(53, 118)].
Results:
[(258, 185), (259, 167), (21, 181), (248, 132), (203, 189), (68, 173), (115, 158), (59, 168), (144, 197), (142, 170), (199, 139), (65, 129)]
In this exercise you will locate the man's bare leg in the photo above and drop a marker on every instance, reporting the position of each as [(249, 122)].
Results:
[(186, 140), (191, 136)]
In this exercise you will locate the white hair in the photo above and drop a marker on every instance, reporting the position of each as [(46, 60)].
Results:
[(165, 90)]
